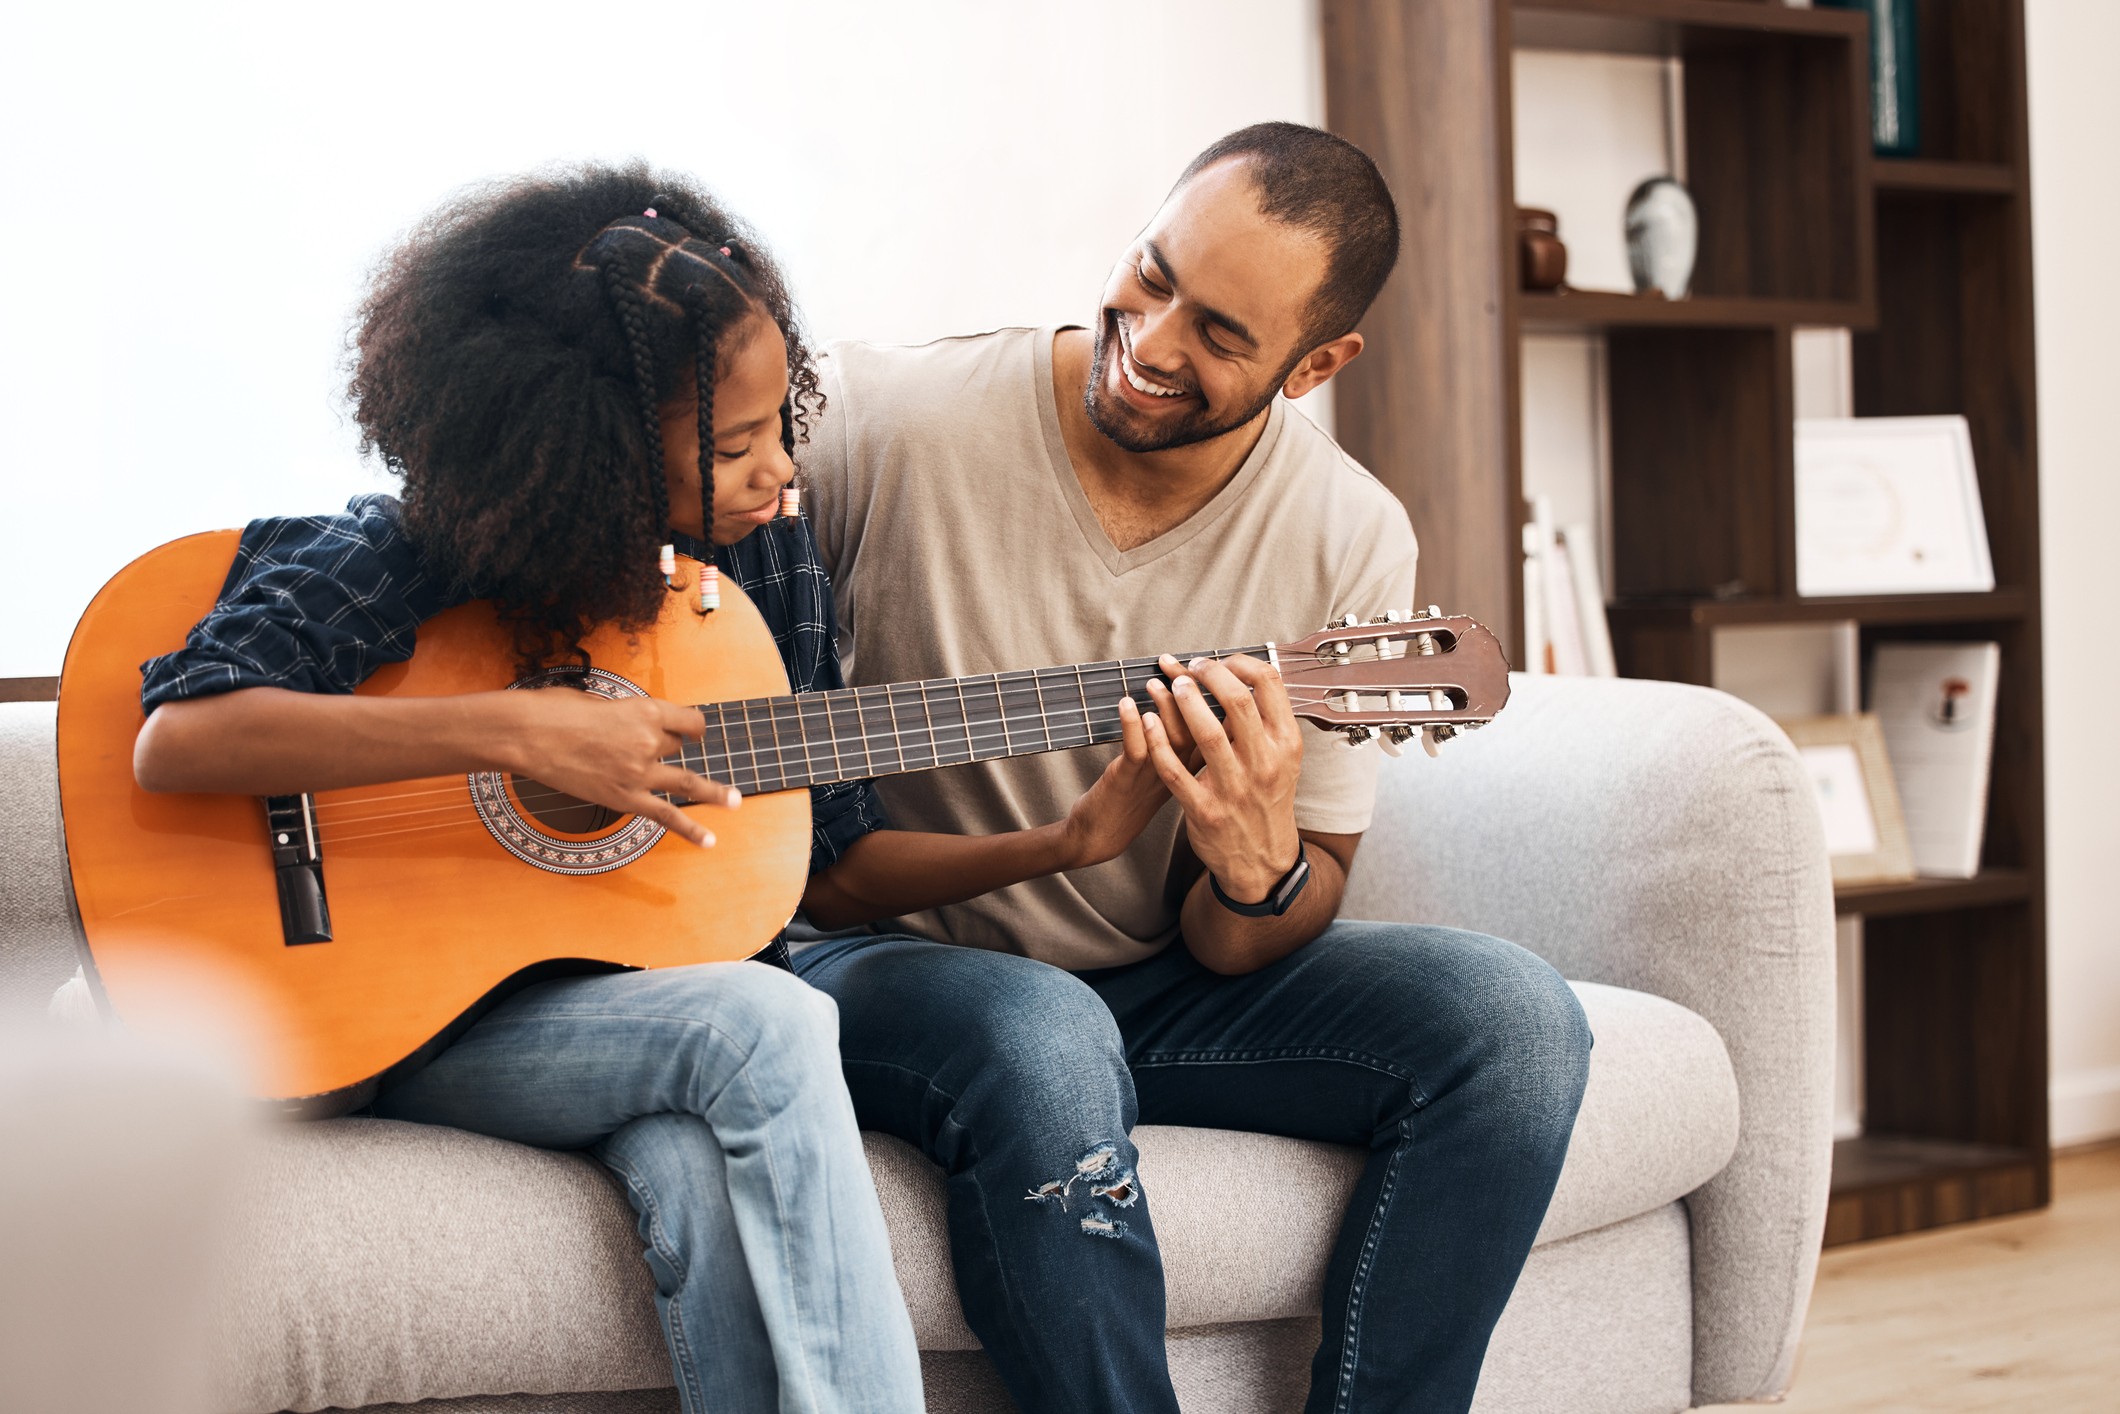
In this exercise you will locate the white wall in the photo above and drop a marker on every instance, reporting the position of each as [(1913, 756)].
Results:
[(2075, 130), (194, 192)]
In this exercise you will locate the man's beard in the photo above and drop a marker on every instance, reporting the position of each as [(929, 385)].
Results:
[(1125, 427)]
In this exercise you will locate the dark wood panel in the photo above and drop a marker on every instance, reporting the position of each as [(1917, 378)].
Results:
[(1593, 309), (1955, 1030), (1777, 159), (29, 689), (1666, 654), (1970, 52), (1989, 886), (2000, 606), (1886, 1184), (1662, 27), (1943, 178), (1700, 422), (1430, 408)]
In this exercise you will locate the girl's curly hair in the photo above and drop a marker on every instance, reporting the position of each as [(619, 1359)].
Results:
[(510, 362)]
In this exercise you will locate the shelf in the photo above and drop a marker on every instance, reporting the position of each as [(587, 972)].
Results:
[(2000, 606), (1659, 27), (29, 689), (1579, 309), (1943, 178), (1885, 1184), (1983, 890)]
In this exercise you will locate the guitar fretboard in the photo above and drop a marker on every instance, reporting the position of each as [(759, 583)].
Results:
[(814, 738)]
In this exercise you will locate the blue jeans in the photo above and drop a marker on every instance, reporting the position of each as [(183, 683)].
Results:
[(714, 1094), (1456, 1060)]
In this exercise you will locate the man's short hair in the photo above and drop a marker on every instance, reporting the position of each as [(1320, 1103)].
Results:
[(1309, 179)]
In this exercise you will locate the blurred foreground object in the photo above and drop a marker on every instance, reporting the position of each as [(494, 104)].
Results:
[(112, 1183)]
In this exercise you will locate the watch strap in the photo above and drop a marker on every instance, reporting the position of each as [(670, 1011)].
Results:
[(1278, 899)]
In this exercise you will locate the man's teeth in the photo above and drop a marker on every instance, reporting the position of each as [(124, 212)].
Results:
[(1143, 385)]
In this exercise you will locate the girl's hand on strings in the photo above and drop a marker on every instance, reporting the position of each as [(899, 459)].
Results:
[(611, 752), (1114, 811)]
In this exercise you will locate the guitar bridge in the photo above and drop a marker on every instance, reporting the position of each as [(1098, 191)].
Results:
[(298, 867)]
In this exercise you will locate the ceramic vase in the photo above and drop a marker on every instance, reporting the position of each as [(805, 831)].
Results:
[(1663, 236), (1542, 260)]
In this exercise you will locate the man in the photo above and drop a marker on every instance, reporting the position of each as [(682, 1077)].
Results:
[(1047, 496)]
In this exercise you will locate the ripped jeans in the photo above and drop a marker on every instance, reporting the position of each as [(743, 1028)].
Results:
[(1456, 1060)]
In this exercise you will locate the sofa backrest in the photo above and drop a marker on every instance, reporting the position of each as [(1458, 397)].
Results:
[(36, 930)]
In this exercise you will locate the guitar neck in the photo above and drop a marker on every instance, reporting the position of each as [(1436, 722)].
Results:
[(849, 734)]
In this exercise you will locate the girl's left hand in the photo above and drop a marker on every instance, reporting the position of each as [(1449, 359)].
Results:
[(1112, 813)]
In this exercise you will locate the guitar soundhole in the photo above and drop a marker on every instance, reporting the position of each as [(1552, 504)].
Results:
[(550, 829), (562, 813)]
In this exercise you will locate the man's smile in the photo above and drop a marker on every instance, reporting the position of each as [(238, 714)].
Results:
[(1130, 369)]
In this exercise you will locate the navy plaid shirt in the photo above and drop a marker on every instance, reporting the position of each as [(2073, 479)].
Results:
[(317, 603)]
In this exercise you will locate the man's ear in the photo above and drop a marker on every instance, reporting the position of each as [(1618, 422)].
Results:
[(1321, 363)]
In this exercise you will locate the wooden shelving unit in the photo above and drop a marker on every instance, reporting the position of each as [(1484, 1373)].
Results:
[(1928, 259)]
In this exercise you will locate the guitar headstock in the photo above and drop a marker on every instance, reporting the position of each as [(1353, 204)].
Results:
[(1397, 675)]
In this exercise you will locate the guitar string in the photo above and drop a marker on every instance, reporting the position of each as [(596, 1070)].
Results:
[(972, 741), (1004, 683), (735, 760), (465, 814), (1069, 718)]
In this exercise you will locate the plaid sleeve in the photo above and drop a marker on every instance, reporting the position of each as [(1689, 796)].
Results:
[(778, 566), (312, 604)]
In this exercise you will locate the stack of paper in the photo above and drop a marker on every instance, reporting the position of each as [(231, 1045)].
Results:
[(1937, 703)]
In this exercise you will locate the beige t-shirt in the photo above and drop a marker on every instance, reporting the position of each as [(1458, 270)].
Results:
[(959, 541)]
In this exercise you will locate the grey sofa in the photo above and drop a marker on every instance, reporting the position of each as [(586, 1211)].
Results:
[(1655, 842)]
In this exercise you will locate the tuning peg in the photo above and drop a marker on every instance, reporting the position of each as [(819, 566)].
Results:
[(1442, 731), (1356, 735), (1434, 612), (1344, 621), (1395, 737), (1428, 744), (1389, 616)]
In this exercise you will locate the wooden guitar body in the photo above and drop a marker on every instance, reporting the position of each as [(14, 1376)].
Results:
[(431, 913)]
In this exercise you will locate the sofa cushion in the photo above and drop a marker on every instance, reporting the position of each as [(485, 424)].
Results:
[(386, 1263), (36, 932)]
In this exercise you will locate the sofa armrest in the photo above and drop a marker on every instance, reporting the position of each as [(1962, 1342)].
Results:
[(1663, 838)]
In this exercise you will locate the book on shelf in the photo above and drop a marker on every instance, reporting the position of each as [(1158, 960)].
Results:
[(1937, 705), (1565, 631)]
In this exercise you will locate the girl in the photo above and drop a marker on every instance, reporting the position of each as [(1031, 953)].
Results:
[(568, 372)]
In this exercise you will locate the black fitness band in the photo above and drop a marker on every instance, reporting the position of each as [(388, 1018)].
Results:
[(1278, 898)]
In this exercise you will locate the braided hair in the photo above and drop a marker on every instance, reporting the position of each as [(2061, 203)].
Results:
[(510, 363)]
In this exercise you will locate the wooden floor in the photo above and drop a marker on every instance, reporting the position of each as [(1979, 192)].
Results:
[(2017, 1313)]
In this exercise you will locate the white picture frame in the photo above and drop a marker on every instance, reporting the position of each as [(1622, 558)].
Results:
[(1888, 505)]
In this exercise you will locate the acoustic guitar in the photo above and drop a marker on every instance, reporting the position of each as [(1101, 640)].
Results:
[(339, 935)]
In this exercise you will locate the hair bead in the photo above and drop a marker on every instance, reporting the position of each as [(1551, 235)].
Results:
[(667, 563), (790, 502), (709, 588)]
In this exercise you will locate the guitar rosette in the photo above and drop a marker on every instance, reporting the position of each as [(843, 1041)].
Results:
[(501, 809)]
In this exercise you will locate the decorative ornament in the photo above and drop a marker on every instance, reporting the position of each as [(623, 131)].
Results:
[(1663, 237)]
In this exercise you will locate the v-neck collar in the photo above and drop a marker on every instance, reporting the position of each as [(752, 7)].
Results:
[(1119, 562)]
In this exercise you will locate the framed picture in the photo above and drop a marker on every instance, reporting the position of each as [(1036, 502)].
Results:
[(1866, 836), (1888, 505)]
